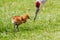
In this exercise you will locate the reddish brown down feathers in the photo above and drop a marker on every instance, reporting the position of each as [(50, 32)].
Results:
[(17, 20)]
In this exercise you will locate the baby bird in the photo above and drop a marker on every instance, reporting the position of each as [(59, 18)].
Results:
[(17, 20)]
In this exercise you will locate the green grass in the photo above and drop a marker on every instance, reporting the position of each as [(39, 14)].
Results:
[(46, 26)]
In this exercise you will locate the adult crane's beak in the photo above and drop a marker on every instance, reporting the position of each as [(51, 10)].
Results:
[(36, 12)]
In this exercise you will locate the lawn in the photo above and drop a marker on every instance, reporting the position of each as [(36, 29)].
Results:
[(46, 26)]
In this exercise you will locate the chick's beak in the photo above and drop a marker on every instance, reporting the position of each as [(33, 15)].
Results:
[(28, 17)]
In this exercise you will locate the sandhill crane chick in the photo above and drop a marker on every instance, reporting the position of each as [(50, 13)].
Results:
[(17, 20)]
